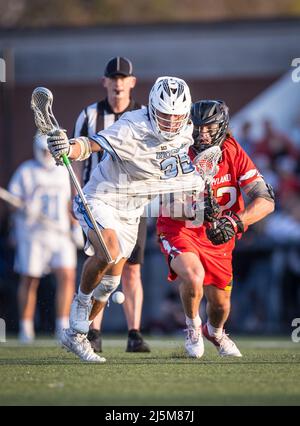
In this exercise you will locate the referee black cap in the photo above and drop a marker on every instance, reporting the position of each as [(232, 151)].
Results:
[(118, 66)]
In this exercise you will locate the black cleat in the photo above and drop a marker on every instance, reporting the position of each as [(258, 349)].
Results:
[(136, 342), (94, 336)]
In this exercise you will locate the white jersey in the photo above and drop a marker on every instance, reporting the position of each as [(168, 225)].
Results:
[(92, 119), (46, 195), (138, 166)]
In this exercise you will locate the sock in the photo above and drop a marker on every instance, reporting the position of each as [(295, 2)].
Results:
[(60, 324), (213, 331), (26, 327), (84, 298), (193, 322)]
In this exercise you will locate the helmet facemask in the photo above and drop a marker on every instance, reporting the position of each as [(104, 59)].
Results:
[(211, 120), (169, 126), (169, 107)]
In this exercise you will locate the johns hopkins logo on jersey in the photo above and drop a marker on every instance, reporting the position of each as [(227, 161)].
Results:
[(2, 331), (168, 154)]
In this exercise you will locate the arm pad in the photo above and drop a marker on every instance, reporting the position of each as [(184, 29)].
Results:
[(85, 147)]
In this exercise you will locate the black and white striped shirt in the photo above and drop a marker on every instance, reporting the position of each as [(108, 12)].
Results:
[(92, 119)]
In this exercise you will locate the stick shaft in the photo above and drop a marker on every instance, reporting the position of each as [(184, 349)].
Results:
[(87, 208), (210, 194)]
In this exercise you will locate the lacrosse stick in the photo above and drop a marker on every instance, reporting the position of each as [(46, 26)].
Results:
[(41, 104), (206, 164)]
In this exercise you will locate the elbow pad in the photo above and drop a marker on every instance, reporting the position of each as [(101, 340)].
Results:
[(271, 191), (261, 189)]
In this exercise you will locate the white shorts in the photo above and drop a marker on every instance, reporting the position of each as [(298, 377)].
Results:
[(108, 217), (36, 258)]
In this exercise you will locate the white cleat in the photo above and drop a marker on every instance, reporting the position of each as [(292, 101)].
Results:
[(224, 345), (79, 316), (80, 346), (194, 342)]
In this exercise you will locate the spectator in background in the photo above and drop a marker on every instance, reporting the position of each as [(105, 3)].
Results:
[(264, 164), (246, 141), (43, 238), (287, 220), (118, 81), (288, 179), (287, 251), (275, 144), (295, 133)]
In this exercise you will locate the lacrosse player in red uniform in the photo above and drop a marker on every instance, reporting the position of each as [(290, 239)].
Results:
[(201, 256)]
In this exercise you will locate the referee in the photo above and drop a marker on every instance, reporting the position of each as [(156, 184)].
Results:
[(118, 81)]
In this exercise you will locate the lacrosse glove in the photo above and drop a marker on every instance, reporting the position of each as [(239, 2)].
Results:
[(211, 207), (225, 228), (58, 144)]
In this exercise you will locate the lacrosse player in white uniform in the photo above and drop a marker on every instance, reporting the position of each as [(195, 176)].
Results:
[(43, 239), (146, 154)]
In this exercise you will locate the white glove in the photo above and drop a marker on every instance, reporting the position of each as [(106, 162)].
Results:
[(58, 144)]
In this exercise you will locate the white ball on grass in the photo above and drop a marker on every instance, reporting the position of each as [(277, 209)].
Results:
[(118, 297)]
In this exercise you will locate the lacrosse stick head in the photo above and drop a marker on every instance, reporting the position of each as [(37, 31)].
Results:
[(206, 163), (41, 104)]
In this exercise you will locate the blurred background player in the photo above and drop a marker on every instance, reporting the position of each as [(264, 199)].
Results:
[(202, 256), (118, 81), (43, 236)]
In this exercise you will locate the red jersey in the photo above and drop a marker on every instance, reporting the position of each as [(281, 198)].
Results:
[(236, 170)]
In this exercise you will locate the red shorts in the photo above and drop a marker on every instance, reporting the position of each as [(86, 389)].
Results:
[(216, 260)]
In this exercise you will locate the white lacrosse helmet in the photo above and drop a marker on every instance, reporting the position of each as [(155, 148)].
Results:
[(169, 96), (41, 151)]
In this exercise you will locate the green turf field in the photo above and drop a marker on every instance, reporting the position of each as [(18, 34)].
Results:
[(268, 374)]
